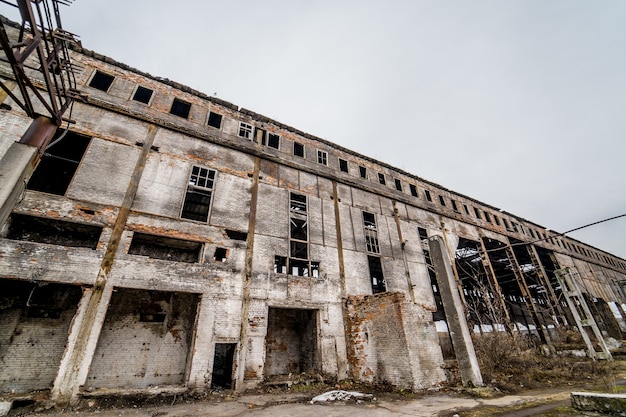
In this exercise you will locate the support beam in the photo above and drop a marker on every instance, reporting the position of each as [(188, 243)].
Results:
[(455, 314)]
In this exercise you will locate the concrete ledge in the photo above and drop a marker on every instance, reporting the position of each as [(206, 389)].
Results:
[(614, 404), (5, 407)]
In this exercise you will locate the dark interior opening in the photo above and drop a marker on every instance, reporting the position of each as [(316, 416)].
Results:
[(180, 108), (59, 163), (215, 120), (376, 274), (236, 235), (223, 365), (143, 95), (53, 231), (291, 342), (166, 248), (101, 81)]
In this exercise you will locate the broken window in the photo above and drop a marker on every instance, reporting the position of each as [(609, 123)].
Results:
[(298, 149), (376, 274), (515, 229), (322, 157), (298, 237), (53, 231), (423, 234), (343, 165), (280, 264), (166, 248), (413, 188), (398, 184), (180, 108), (442, 200), (215, 120), (273, 140), (198, 196), (101, 81), (363, 172), (428, 196), (371, 232), (59, 163), (220, 254), (381, 178), (245, 130), (143, 94)]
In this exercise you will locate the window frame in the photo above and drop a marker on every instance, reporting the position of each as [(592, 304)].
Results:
[(245, 131), (221, 119), (198, 189), (322, 157)]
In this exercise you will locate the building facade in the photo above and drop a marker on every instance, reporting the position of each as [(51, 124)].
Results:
[(172, 239)]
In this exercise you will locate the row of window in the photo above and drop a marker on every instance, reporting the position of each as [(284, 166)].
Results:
[(198, 196)]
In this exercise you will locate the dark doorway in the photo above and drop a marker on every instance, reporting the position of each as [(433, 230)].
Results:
[(291, 341), (223, 365)]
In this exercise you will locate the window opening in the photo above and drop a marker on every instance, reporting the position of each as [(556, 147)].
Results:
[(497, 220), (101, 81), (454, 206), (273, 140), (398, 184), (53, 231), (442, 200), (381, 178), (298, 149), (487, 216), (165, 248), (280, 264), (376, 274), (298, 261), (59, 163), (363, 172), (236, 235), (413, 188), (143, 94), (223, 360), (220, 254), (180, 108), (198, 196), (423, 234), (371, 232), (245, 130), (322, 158), (215, 120), (259, 136), (428, 196), (343, 165), (477, 213), (466, 209), (506, 223)]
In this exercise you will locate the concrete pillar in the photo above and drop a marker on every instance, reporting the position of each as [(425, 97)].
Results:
[(202, 350), (455, 314)]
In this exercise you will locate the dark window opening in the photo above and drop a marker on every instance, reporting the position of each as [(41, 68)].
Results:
[(506, 223), (101, 81), (59, 163), (454, 205), (39, 300), (428, 196), (245, 130), (315, 269), (322, 157), (398, 184), (298, 229), (487, 216), (343, 165), (299, 267), (220, 254), (52, 231), (423, 234), (371, 232), (497, 220), (299, 250), (180, 108), (298, 149), (273, 140), (280, 264), (143, 95), (413, 188), (215, 120), (222, 376), (236, 235), (477, 213), (381, 178), (297, 202), (363, 172), (376, 274), (199, 192), (166, 248), (442, 201), (466, 209)]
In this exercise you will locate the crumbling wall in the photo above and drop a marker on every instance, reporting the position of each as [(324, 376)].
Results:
[(386, 340), (145, 340), (34, 323)]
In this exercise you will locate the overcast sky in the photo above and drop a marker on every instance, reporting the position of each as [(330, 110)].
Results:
[(519, 104)]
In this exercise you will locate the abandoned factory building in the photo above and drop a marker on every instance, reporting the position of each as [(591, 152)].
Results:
[(172, 239)]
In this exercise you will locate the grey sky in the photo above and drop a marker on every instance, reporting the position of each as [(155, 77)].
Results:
[(519, 104)]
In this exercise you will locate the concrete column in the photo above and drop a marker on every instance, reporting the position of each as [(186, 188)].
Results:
[(201, 360), (455, 314)]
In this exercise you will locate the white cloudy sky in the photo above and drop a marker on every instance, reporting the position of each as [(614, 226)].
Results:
[(517, 103)]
